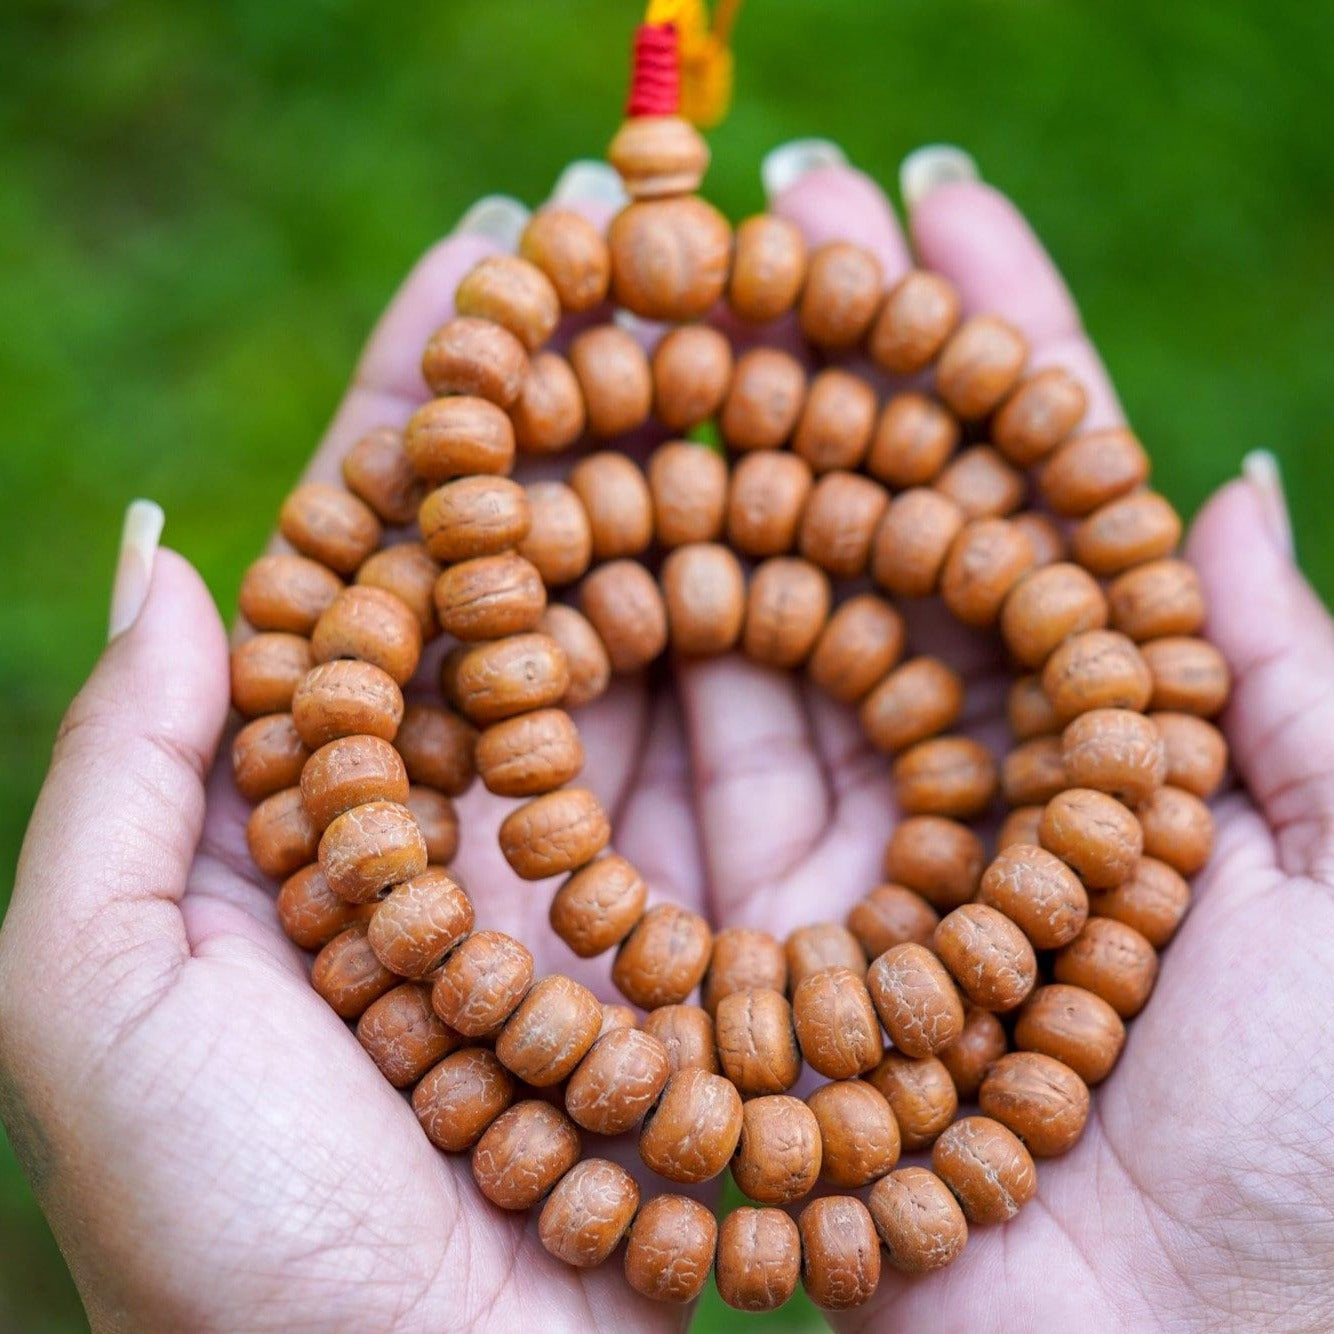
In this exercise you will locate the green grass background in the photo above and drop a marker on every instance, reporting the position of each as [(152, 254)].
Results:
[(203, 206)]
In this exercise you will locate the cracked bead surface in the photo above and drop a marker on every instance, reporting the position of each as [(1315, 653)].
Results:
[(1073, 1025), (372, 625), (757, 1045), (1096, 669), (891, 915), (371, 847), (952, 776), (664, 957), (547, 1036), (918, 1219), (670, 1249), (1037, 891), (742, 958), (617, 1081), (419, 922), (686, 1033), (989, 956), (940, 859), (514, 293), (310, 912), (779, 1152), (460, 1097), (523, 1153), (916, 1000), (692, 1132), (281, 836), (1092, 833), (329, 525), (988, 1169), (347, 974), (1040, 1099), (1113, 961), (403, 1035), (349, 772), (346, 698), (497, 680), (920, 1093), (556, 832), (598, 905), (481, 982), (489, 597), (840, 1252), (1117, 751), (836, 1023), (588, 1212), (758, 1264), (530, 754), (287, 593), (268, 755), (859, 1136)]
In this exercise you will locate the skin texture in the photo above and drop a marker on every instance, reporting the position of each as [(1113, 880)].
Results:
[(142, 953)]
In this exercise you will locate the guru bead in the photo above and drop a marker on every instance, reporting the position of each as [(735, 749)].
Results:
[(378, 470), (1094, 834), (1038, 416), (688, 485), (840, 1252), (369, 848), (918, 315), (759, 1259), (572, 253), (979, 365), (624, 605), (860, 642), (768, 268), (474, 516), (743, 958), (658, 155), (891, 915), (1096, 669), (834, 428), (419, 922), (669, 258), (559, 540), (1159, 598), (280, 834), (913, 438), (916, 1000), (840, 296), (787, 604), (1038, 892), (767, 495), (920, 1093), (490, 597), (523, 1153), (265, 672), (756, 1043), (549, 414), (403, 1035), (691, 1134), (1073, 1026), (474, 357), (692, 367), (556, 832), (1044, 1102), (764, 400), (267, 756), (1113, 961), (530, 754), (940, 859), (347, 974), (670, 1249), (618, 503), (461, 1096), (919, 1221), (598, 905), (287, 592), (498, 680), (988, 1169), (373, 626), (778, 1155), (346, 697), (704, 588), (836, 1024), (547, 1036), (617, 1082), (587, 664), (329, 525), (664, 958), (481, 982), (348, 772), (614, 374), (588, 1212), (859, 1136), (514, 293)]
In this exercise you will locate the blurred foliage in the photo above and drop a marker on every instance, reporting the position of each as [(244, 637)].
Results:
[(202, 208)]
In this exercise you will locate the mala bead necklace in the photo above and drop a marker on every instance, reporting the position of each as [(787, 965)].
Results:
[(998, 978)]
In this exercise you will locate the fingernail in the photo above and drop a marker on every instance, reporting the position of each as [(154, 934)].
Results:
[(499, 217), (931, 166), (785, 165), (587, 181), (134, 566), (1260, 468)]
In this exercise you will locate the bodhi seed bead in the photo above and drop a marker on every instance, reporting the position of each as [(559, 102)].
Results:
[(840, 1252), (670, 1249), (704, 588), (281, 836), (490, 597), (287, 592), (764, 400), (403, 1035), (988, 1169), (267, 756), (1096, 669), (461, 1096), (1178, 829), (474, 516), (686, 1032), (572, 253), (588, 666), (859, 1136), (810, 949), (523, 1153), (840, 296), (1075, 1027), (759, 1259), (985, 561), (891, 915), (548, 1035), (513, 292), (1126, 532), (510, 676), (1092, 469), (953, 776), (982, 484), (265, 672), (1094, 834), (940, 859), (329, 525), (778, 1155), (469, 356), (1033, 772), (1038, 416), (920, 1093), (835, 1023), (972, 1053), (559, 540), (916, 1000), (834, 428), (663, 958), (1047, 540), (743, 958), (768, 268), (1113, 961), (481, 982), (989, 956), (437, 747), (764, 504), (1028, 710), (459, 436), (588, 1212), (373, 626), (787, 604), (556, 832), (1038, 892), (624, 605), (669, 257), (860, 642), (1196, 752), (692, 367), (349, 772), (616, 498), (377, 470), (408, 571), (598, 905), (1160, 598), (346, 698), (549, 414), (614, 375), (530, 754), (756, 1043), (617, 1082), (347, 975), (979, 366), (1117, 751), (310, 912), (914, 437), (1020, 826), (1189, 675), (438, 821), (839, 522), (692, 1132), (618, 1016), (1042, 1101), (688, 485), (913, 541), (919, 1221), (369, 848), (918, 315), (419, 922)]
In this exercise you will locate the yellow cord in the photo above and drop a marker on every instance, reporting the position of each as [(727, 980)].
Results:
[(706, 56)]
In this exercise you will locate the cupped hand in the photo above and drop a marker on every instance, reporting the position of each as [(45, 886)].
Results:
[(215, 1150)]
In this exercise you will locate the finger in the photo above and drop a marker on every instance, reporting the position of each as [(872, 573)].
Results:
[(1278, 640), (976, 238)]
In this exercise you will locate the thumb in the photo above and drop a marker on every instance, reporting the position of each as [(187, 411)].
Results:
[(115, 826), (1278, 640)]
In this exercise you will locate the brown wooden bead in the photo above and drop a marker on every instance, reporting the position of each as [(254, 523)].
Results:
[(939, 859), (914, 436), (618, 1081), (840, 1252), (419, 922), (759, 1259), (474, 516), (1094, 834), (841, 294), (704, 588), (281, 836), (1153, 900), (490, 597), (403, 1035), (588, 666), (329, 525), (287, 592), (530, 754), (669, 257), (835, 1023), (686, 1031), (809, 949), (664, 958), (778, 1154), (1038, 892), (953, 776), (618, 1016), (915, 701), (624, 605), (920, 1093), (371, 847), (588, 1212), (692, 367), (688, 486), (310, 912), (756, 1042), (481, 982), (1045, 537), (787, 605), (988, 1169), (514, 293), (523, 1153), (474, 357), (692, 1132), (1113, 961), (1020, 826), (985, 561), (916, 1000), (861, 641), (1126, 532), (378, 471), (982, 484), (373, 626), (437, 748), (1196, 752), (919, 313), (349, 772), (1028, 710), (598, 905), (768, 268), (890, 915), (439, 822), (347, 698), (913, 541), (573, 254), (267, 756), (1178, 829), (1117, 751), (553, 833), (616, 498), (1162, 597), (547, 1036), (1096, 669), (670, 1249), (459, 436), (839, 522), (767, 495), (764, 399), (859, 1136), (834, 429), (1092, 469), (979, 365), (1038, 416), (1073, 1025), (266, 671), (1033, 772), (918, 1219), (347, 975), (989, 956), (1189, 675), (408, 571), (498, 680), (742, 959), (458, 1099), (558, 540), (969, 1056), (614, 375), (549, 414)]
